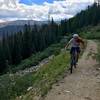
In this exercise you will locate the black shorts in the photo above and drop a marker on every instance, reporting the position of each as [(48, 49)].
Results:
[(75, 49)]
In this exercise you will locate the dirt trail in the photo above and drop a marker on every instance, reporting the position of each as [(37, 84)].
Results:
[(84, 83)]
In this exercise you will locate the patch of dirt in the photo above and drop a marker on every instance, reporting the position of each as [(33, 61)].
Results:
[(84, 83)]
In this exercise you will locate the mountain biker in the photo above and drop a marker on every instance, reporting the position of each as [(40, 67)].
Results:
[(75, 42)]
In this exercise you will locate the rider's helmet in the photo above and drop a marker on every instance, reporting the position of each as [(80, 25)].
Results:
[(75, 36)]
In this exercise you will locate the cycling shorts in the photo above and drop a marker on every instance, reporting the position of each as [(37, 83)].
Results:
[(75, 49)]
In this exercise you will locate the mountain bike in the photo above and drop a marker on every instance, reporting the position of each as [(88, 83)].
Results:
[(73, 61)]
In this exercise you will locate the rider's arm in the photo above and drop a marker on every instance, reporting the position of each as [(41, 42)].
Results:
[(82, 42), (68, 44)]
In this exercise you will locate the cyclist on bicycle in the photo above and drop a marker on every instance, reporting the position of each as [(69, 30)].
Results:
[(75, 42)]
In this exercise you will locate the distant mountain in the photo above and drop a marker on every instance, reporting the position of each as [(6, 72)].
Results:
[(21, 22), (16, 26)]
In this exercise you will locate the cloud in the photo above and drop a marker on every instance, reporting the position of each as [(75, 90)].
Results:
[(13, 10)]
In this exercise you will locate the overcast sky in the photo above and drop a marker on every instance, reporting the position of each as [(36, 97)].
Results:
[(39, 9)]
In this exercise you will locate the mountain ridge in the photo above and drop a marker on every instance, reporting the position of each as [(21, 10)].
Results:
[(11, 27)]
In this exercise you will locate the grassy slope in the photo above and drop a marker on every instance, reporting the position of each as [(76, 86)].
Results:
[(91, 32), (34, 60), (41, 81)]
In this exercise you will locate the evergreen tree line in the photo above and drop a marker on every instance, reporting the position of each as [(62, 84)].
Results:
[(15, 48), (90, 16)]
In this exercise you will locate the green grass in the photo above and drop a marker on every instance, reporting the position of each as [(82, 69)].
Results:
[(34, 60), (41, 81), (91, 32)]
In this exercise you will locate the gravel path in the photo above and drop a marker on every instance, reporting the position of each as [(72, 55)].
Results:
[(84, 83)]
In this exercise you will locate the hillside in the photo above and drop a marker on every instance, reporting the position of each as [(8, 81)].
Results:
[(90, 32), (24, 86), (13, 86)]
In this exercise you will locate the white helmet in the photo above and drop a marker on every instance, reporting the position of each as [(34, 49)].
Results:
[(75, 35)]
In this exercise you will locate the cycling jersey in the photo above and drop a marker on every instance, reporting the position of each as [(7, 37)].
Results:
[(75, 42), (75, 45)]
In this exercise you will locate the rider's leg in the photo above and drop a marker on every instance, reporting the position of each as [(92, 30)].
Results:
[(71, 59), (71, 63), (71, 55), (75, 60), (78, 54), (77, 57)]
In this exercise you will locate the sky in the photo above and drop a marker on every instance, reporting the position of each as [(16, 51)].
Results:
[(40, 9), (29, 2)]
